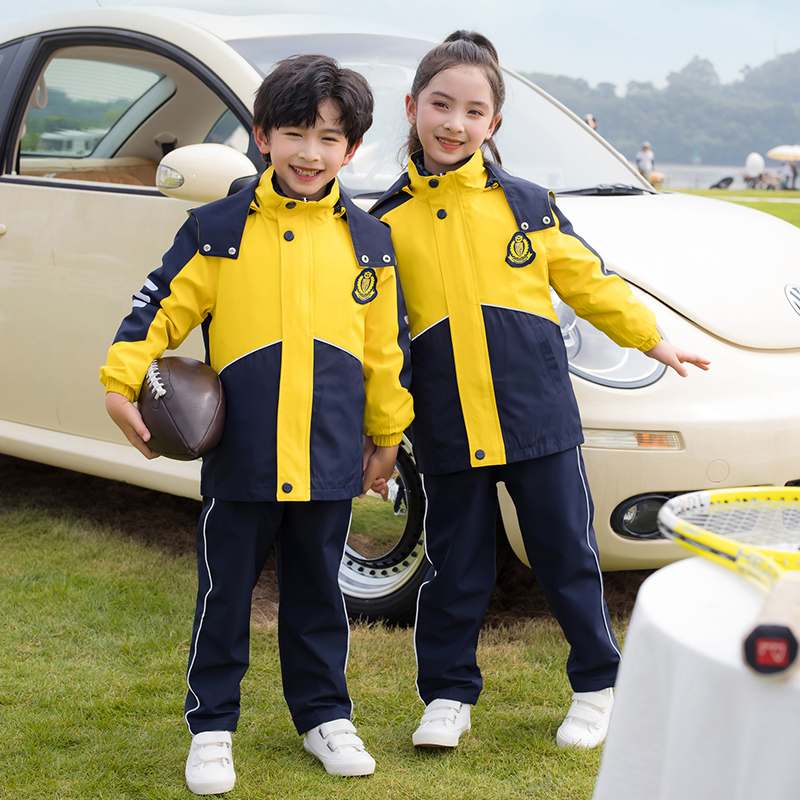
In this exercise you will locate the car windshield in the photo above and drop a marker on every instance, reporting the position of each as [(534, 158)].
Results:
[(537, 140)]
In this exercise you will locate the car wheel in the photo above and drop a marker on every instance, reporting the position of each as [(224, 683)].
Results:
[(384, 562)]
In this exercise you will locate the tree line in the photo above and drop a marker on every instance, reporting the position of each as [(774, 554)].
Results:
[(695, 118)]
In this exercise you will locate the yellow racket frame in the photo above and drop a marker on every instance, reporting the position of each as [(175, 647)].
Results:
[(762, 565)]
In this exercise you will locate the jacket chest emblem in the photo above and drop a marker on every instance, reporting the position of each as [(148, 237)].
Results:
[(519, 252), (365, 289)]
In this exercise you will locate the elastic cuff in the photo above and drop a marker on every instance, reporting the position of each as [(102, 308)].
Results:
[(120, 388), (651, 343), (388, 441)]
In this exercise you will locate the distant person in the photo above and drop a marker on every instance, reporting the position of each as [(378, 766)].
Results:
[(793, 166), (591, 121), (785, 173), (645, 160)]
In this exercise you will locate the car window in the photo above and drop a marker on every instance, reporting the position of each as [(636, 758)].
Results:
[(538, 138), (109, 113), (228, 130), (77, 102)]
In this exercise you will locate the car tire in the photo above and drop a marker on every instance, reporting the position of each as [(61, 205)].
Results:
[(384, 562)]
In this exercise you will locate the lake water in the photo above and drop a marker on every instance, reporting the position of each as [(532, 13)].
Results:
[(699, 176)]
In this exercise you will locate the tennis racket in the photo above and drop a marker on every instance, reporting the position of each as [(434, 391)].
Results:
[(755, 532)]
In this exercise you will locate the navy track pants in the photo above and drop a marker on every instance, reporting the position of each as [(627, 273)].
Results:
[(233, 542), (554, 507)]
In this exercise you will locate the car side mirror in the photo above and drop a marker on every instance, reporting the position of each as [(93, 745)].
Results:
[(202, 172)]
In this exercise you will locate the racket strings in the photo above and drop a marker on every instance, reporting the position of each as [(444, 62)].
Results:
[(773, 524)]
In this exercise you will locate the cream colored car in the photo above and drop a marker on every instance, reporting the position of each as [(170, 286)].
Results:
[(92, 101)]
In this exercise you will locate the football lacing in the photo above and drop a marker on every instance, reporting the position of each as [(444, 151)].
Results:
[(154, 380)]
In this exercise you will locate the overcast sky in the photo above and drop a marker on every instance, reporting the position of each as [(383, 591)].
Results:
[(613, 41)]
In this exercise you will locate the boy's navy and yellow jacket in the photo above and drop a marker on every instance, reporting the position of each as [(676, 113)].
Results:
[(477, 252), (304, 322)]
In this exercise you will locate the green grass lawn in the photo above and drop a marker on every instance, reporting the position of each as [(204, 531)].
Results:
[(771, 202), (94, 638)]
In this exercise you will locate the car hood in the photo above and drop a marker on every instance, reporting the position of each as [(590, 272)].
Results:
[(723, 266)]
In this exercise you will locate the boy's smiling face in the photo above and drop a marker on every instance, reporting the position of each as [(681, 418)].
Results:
[(306, 160)]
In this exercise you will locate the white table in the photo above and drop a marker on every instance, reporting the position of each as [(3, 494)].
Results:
[(690, 721)]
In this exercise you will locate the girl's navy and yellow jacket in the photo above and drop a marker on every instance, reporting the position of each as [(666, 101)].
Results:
[(303, 320), (477, 252)]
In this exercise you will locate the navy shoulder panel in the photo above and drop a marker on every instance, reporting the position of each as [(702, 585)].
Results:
[(372, 239), (221, 224), (529, 202), (393, 197)]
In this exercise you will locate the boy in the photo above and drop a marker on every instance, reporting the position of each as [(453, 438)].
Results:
[(296, 291)]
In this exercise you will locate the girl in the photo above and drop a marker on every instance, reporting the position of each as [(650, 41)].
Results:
[(477, 252)]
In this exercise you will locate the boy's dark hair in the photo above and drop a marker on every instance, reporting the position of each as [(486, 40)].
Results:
[(291, 95), (460, 49)]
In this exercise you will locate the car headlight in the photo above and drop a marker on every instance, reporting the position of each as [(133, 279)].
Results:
[(593, 356)]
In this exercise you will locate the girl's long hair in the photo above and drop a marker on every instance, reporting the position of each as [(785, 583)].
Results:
[(462, 48)]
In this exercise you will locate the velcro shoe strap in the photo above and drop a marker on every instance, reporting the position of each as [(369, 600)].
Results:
[(588, 710), (585, 714), (441, 711), (340, 733), (214, 752)]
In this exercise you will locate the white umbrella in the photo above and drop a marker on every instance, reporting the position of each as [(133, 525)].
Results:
[(785, 152)]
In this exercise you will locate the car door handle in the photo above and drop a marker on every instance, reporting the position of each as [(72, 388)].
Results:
[(3, 228)]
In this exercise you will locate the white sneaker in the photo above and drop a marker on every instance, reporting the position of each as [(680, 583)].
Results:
[(442, 724), (586, 723), (341, 752), (209, 768)]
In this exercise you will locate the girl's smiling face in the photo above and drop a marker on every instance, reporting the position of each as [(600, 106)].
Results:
[(454, 115)]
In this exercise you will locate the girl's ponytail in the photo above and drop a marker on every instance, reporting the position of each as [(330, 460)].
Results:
[(460, 48), (476, 38)]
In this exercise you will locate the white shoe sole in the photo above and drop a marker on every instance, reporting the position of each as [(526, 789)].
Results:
[(220, 786), (578, 744), (343, 768), (434, 738)]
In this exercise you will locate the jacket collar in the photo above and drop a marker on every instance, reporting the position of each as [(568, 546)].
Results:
[(533, 206), (471, 176), (220, 225), (268, 195)]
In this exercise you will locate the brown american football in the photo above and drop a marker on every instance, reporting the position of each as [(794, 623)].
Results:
[(183, 406)]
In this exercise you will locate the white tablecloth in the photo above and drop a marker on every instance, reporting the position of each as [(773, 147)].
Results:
[(690, 721)]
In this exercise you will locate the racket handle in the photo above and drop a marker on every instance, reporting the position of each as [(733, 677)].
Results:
[(771, 646)]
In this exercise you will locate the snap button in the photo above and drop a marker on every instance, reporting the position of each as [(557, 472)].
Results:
[(387, 259), (441, 213), (434, 182), (291, 204), (206, 247), (365, 259), (287, 487), (231, 251), (524, 226), (479, 454), (546, 220), (288, 236)]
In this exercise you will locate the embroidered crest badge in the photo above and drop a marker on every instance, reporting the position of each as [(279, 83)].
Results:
[(520, 253), (365, 289)]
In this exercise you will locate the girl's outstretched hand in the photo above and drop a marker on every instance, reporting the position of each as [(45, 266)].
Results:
[(674, 357), (129, 421)]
